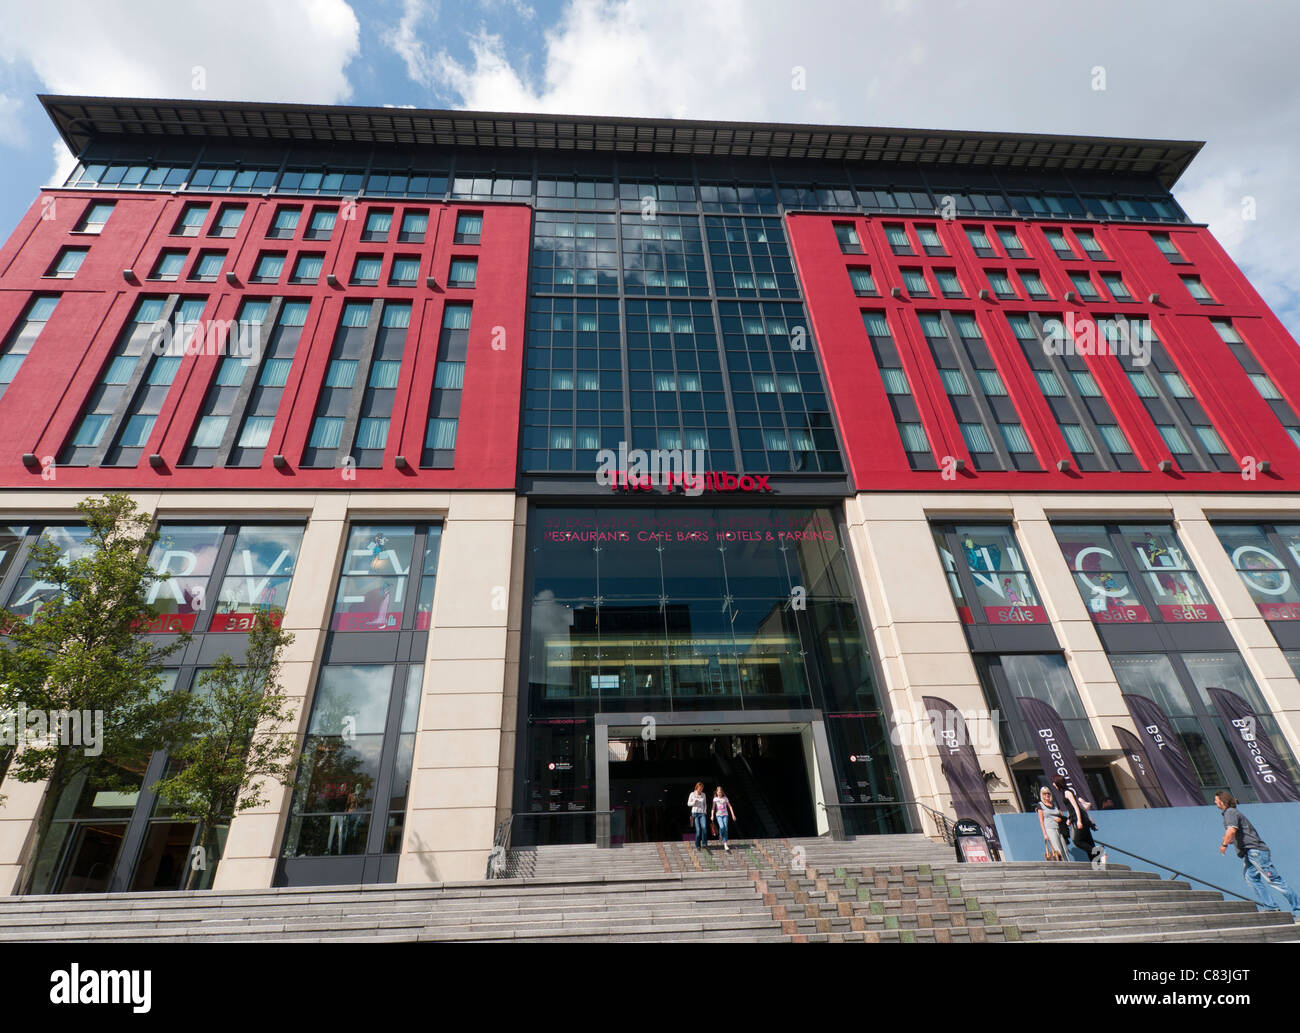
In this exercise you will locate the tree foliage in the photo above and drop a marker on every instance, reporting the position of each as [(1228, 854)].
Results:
[(240, 735)]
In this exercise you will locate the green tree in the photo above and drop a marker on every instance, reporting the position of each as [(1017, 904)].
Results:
[(79, 650), (237, 738)]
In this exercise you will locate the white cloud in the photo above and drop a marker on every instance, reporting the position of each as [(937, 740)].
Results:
[(64, 160), (299, 51), (405, 42), (1212, 73), (289, 50), (12, 130)]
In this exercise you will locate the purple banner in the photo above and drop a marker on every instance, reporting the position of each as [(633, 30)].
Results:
[(1172, 768), (1055, 750), (960, 766), (1141, 765), (1254, 748)]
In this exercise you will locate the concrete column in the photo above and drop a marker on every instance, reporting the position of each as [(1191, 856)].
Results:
[(454, 786), (514, 647), (918, 636)]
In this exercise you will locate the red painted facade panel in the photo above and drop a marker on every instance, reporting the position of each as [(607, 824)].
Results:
[(874, 451), (42, 406)]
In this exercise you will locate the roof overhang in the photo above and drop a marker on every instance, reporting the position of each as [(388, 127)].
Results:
[(80, 120)]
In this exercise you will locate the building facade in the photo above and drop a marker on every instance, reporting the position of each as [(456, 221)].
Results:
[(957, 415)]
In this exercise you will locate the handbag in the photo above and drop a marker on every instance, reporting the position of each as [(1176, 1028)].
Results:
[(713, 828)]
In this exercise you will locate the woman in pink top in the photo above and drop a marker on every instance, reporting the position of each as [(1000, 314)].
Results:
[(722, 812)]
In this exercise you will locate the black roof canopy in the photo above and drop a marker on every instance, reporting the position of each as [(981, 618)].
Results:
[(80, 120)]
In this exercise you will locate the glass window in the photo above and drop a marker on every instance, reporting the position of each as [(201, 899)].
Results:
[(414, 226), (258, 576), (268, 269), (378, 223), (1167, 247), (979, 240), (1173, 583), (1100, 574), (1197, 289), (68, 262), (1266, 388), (191, 221), (949, 284), (989, 560), (322, 223), (895, 381), (1115, 284), (188, 553), (469, 226), (168, 266), (308, 268), (847, 235), (1262, 563), (913, 435), (340, 766), (286, 221), (1173, 439), (1033, 284), (1210, 440), (976, 437), (366, 270), (29, 595), (95, 217), (464, 271), (228, 220), (373, 586), (1001, 284), (1075, 439), (1013, 435), (1083, 284), (405, 272), (862, 281), (1044, 677), (208, 267), (1089, 244)]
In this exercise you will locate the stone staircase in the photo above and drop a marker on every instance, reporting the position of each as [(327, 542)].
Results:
[(877, 889), (1070, 902), (719, 908)]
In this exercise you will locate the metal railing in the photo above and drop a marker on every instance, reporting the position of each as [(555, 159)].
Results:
[(1176, 873), (501, 862)]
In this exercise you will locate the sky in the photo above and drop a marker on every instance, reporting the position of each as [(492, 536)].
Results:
[(1191, 70)]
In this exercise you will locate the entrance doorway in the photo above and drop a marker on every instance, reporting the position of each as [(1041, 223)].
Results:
[(764, 776)]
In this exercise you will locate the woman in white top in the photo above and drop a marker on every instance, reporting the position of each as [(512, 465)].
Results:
[(699, 805), (1049, 820)]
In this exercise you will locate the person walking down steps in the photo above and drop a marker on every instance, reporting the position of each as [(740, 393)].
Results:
[(723, 814), (699, 805)]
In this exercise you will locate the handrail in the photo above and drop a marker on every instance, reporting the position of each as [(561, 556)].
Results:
[(1177, 873), (498, 863)]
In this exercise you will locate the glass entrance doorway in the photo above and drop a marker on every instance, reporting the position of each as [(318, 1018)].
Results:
[(765, 777)]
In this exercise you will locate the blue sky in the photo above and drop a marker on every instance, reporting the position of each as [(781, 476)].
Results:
[(1198, 70)]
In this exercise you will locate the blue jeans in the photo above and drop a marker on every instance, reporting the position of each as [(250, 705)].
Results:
[(722, 827), (1258, 871), (701, 828)]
